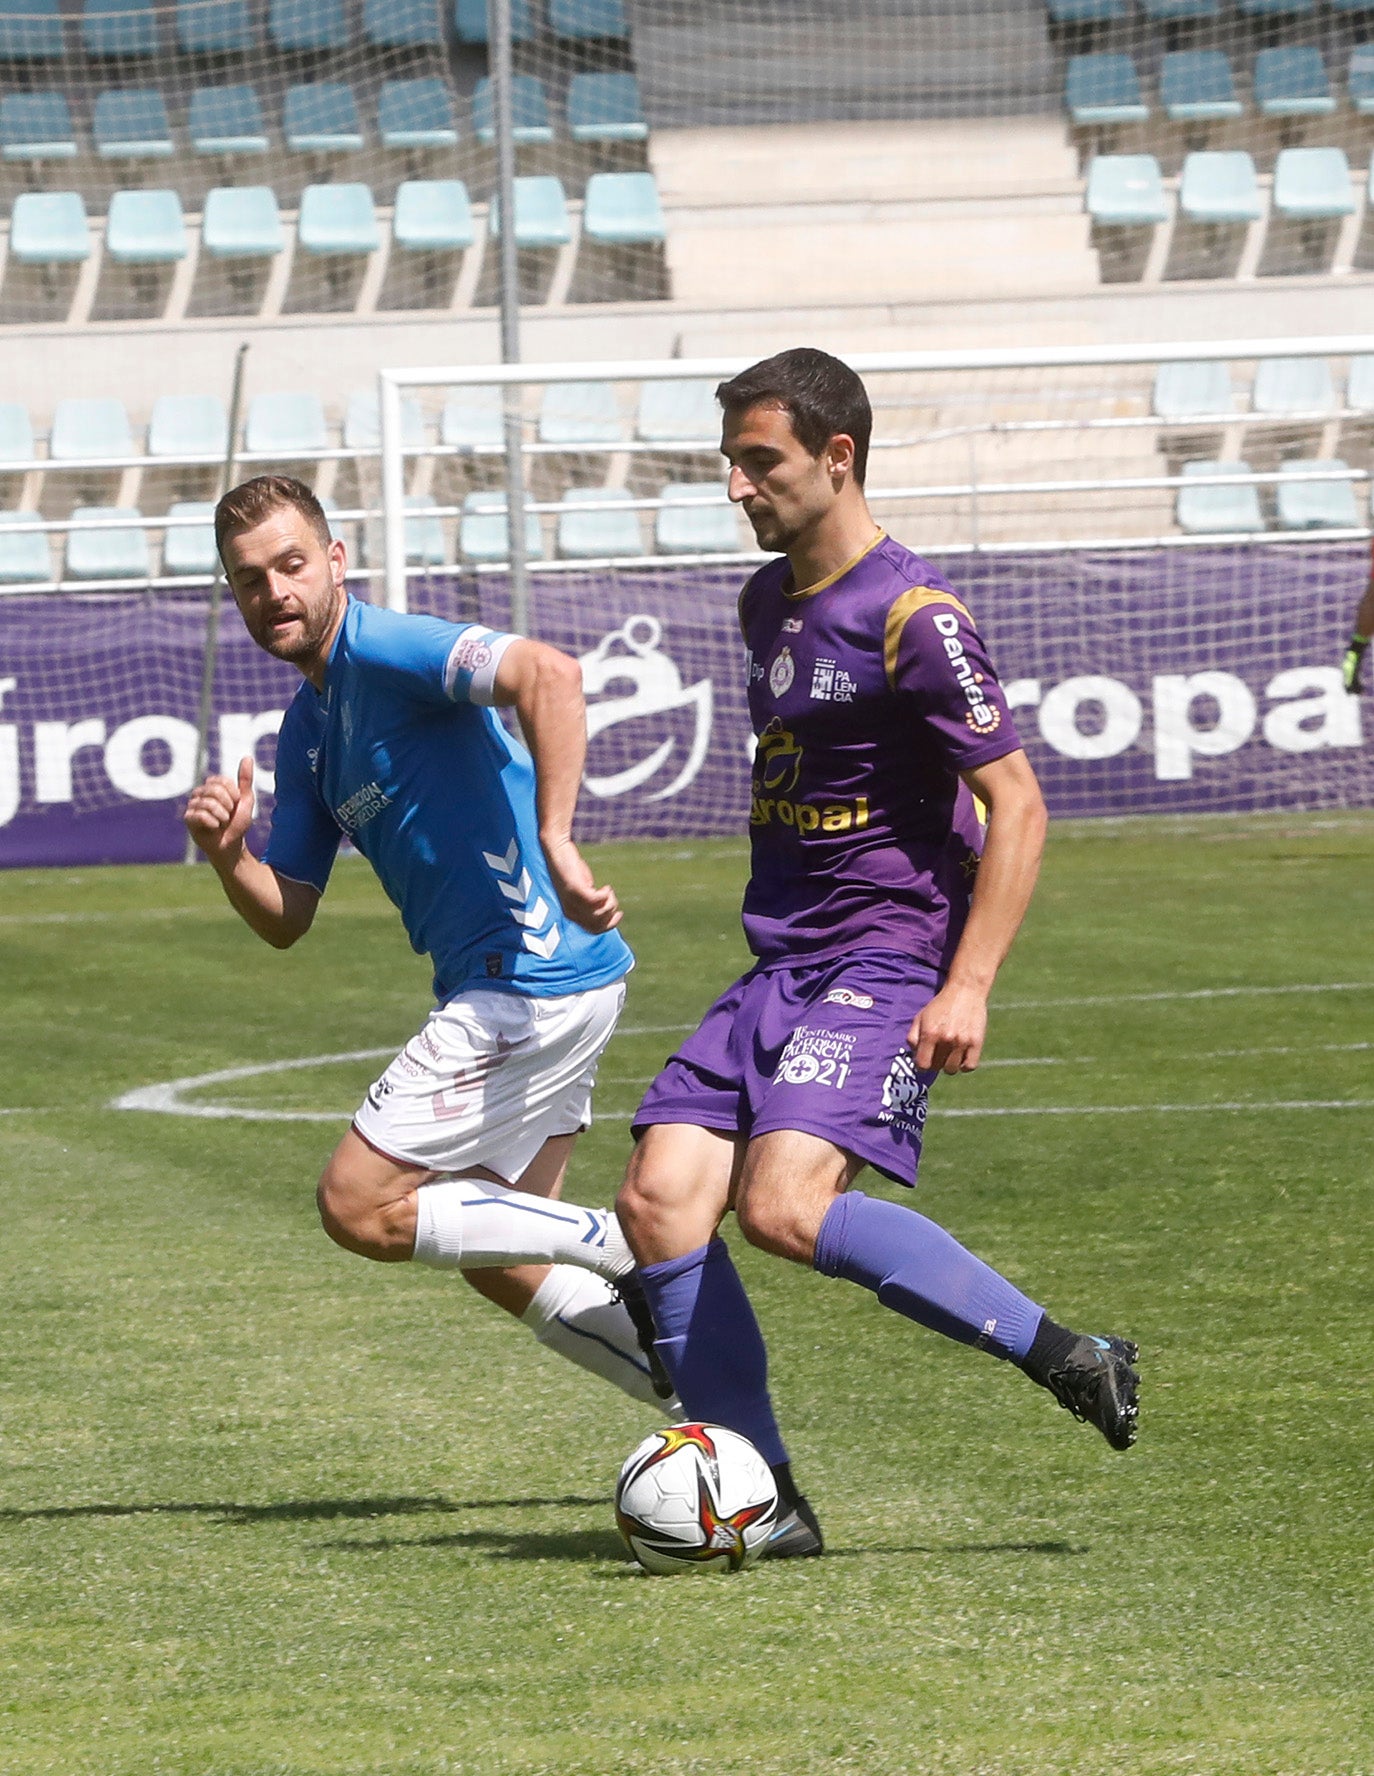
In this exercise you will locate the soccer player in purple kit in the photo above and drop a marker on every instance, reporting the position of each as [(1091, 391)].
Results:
[(879, 920)]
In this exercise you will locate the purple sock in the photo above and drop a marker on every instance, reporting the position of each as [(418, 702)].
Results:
[(711, 1344), (914, 1266)]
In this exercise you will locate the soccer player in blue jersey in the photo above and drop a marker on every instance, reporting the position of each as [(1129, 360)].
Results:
[(393, 741)]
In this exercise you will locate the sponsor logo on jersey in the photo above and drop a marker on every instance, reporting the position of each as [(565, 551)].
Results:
[(830, 683), (847, 996), (982, 717), (905, 1095), (849, 815), (777, 761), (791, 625), (363, 805), (781, 673)]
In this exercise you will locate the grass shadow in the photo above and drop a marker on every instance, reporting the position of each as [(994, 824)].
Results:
[(581, 1546), (295, 1510)]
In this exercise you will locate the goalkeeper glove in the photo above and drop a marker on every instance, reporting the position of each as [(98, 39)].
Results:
[(1350, 665)]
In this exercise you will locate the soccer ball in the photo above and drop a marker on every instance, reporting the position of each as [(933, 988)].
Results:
[(696, 1496)]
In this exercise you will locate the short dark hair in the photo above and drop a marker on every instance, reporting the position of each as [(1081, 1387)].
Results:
[(820, 395), (244, 507)]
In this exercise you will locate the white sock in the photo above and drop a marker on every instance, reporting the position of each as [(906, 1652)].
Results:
[(576, 1314), (469, 1224)]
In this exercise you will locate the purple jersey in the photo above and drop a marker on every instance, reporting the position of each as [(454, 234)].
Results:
[(868, 694)]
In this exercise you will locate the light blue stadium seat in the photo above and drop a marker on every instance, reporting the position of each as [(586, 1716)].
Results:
[(145, 228), (1359, 79), (188, 551), (541, 213), (308, 24), (30, 30), (362, 429), (424, 532), (529, 112), (402, 24), (1291, 82), (432, 216), (1312, 184), (50, 228), (338, 219), (1286, 386), (587, 536), (1359, 388), (131, 125), (1126, 191), (416, 114), (695, 519), (588, 18), (215, 27), (623, 209), (473, 419), (1193, 391), (188, 425), (1218, 509), (484, 530), (1276, 8), (1220, 185), (26, 556), (119, 28), (605, 108), (88, 427), (1168, 12), (242, 222), (1351, 6), (470, 21), (36, 126), (678, 412), (286, 425), (576, 414), (108, 554), (321, 119), (1085, 12), (16, 433), (1104, 89), (1197, 86), (226, 120), (1304, 504)]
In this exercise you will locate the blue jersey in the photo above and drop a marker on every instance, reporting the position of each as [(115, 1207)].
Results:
[(401, 752)]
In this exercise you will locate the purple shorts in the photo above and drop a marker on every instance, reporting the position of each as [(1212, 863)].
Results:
[(821, 1049)]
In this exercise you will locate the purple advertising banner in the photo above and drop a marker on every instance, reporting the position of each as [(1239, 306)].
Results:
[(1160, 682)]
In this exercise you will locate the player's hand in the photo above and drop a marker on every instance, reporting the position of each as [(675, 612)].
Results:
[(594, 909), (1351, 664), (219, 814), (947, 1034)]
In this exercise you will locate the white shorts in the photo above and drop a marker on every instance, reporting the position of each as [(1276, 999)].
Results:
[(490, 1078)]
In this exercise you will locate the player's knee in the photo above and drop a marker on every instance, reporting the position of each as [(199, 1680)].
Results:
[(770, 1222), (382, 1231)]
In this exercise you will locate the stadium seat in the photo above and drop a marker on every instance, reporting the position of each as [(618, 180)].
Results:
[(1192, 391), (226, 120), (1359, 387), (416, 114), (678, 412), (576, 414), (1289, 386), (188, 551), (215, 27), (402, 24), (308, 24), (337, 219), (1085, 12), (1291, 82), (1197, 86), (362, 428), (108, 554), (695, 519), (470, 21), (1359, 79), (484, 530), (87, 428), (541, 213), (424, 532), (1351, 6), (321, 119), (1311, 184), (131, 126), (1304, 504), (473, 419), (16, 433), (288, 426), (1219, 186), (145, 228), (119, 28), (26, 556), (242, 222), (30, 31), (1168, 12), (585, 536), (622, 209), (1104, 89), (605, 108), (432, 216), (1126, 191), (1218, 509), (588, 18), (188, 425), (529, 112), (1269, 9), (50, 228), (36, 126)]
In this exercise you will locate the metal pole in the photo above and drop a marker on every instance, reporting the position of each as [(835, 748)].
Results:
[(393, 493), (499, 51), (207, 672)]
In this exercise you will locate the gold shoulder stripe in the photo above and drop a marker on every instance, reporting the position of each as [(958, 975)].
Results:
[(904, 607)]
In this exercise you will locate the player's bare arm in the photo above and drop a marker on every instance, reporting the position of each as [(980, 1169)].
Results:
[(544, 686), (217, 817), (948, 1033)]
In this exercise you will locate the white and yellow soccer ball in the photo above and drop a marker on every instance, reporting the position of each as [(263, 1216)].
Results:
[(696, 1497)]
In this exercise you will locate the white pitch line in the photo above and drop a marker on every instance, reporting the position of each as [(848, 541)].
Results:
[(1185, 993)]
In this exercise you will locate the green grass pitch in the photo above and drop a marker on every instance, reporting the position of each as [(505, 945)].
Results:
[(268, 1510)]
